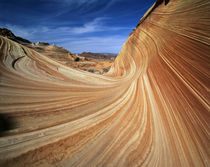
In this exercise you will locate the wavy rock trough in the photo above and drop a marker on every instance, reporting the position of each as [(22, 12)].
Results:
[(151, 109)]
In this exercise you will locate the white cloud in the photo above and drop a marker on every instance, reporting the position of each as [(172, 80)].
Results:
[(74, 2), (96, 25), (72, 37), (108, 44), (80, 2), (88, 27), (93, 26)]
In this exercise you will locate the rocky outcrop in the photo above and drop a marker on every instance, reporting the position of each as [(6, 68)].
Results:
[(8, 34), (42, 44), (150, 109)]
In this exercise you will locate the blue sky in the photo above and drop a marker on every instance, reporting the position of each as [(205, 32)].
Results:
[(77, 25)]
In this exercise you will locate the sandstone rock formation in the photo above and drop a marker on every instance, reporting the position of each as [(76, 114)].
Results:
[(8, 34), (150, 109), (43, 43)]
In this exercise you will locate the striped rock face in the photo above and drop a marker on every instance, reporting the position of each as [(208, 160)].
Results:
[(150, 109)]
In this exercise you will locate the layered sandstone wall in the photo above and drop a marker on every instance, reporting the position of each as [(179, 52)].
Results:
[(151, 109)]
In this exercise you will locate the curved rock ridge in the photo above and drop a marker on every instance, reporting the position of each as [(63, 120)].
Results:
[(150, 109)]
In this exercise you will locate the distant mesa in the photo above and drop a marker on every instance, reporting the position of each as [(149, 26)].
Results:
[(8, 34), (42, 44), (106, 56)]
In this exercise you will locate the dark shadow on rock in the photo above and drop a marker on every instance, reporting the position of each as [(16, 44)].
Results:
[(91, 70), (77, 59), (166, 2), (7, 122)]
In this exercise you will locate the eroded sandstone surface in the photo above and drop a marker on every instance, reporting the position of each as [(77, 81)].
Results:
[(150, 109)]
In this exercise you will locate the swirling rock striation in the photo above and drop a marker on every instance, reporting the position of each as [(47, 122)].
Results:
[(150, 109)]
